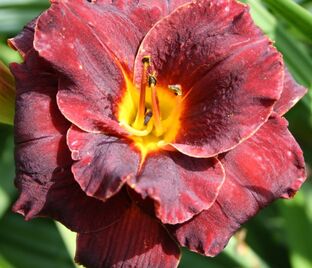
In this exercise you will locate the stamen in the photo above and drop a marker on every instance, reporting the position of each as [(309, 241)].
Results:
[(177, 89), (155, 105), (139, 120)]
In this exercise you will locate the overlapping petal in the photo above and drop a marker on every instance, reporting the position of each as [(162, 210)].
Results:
[(88, 43), (292, 93), (23, 42), (231, 102), (267, 166), (213, 49), (37, 115), (137, 240), (92, 79), (180, 185), (103, 163), (43, 162)]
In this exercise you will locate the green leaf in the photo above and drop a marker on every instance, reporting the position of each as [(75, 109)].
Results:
[(7, 189), (298, 230), (236, 254), (8, 55), (34, 244), (294, 14), (18, 3), (7, 95), (69, 239), (15, 14), (13, 20)]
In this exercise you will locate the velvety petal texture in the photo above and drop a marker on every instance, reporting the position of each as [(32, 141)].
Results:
[(137, 240), (103, 163), (267, 166), (23, 42), (180, 185), (93, 79), (43, 162), (292, 93), (222, 53)]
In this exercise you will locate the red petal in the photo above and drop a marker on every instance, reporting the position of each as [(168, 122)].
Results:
[(23, 42), (43, 177), (145, 9), (47, 188), (180, 185), (88, 42), (265, 167), (67, 39), (58, 196), (103, 164), (36, 115), (137, 240), (89, 113), (68, 204), (213, 49), (196, 36), (238, 103), (292, 93)]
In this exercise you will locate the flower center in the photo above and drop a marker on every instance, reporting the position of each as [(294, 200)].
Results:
[(151, 113)]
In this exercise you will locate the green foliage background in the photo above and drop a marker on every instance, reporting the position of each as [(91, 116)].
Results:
[(280, 236)]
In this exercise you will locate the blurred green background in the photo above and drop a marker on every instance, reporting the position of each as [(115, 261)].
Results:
[(280, 236)]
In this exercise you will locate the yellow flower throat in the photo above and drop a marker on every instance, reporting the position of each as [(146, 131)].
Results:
[(151, 114)]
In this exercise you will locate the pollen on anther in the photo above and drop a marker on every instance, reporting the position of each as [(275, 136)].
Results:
[(147, 59), (177, 89)]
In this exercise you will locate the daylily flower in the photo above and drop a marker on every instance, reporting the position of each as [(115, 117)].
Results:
[(149, 125)]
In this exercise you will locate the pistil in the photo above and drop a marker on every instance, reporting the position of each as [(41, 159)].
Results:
[(139, 120)]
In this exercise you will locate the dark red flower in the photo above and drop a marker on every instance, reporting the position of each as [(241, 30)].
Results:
[(145, 127)]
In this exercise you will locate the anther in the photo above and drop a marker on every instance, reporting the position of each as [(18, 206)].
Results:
[(148, 116), (147, 60), (152, 81), (177, 89)]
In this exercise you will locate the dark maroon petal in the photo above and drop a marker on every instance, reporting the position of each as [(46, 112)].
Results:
[(47, 188), (23, 42), (93, 79), (137, 240), (292, 93), (243, 90), (196, 36), (144, 7), (57, 195), (36, 114), (267, 166), (43, 177), (231, 76), (180, 185), (103, 163)]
